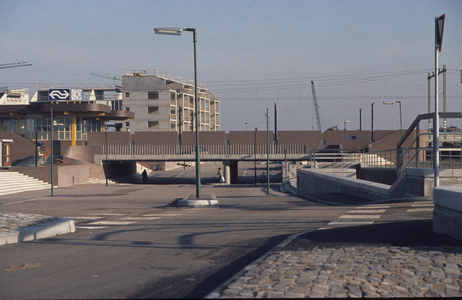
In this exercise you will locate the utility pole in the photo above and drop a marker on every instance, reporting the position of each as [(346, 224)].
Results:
[(275, 127), (372, 122)]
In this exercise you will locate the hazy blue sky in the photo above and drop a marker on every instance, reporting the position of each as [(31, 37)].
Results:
[(251, 54)]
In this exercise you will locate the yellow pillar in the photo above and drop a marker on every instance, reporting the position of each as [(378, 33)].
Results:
[(74, 130)]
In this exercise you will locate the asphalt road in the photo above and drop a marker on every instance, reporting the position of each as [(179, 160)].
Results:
[(132, 242)]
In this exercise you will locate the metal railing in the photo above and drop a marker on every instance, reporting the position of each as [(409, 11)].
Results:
[(417, 156), (205, 149)]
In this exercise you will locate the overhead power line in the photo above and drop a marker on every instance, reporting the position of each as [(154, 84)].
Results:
[(14, 65)]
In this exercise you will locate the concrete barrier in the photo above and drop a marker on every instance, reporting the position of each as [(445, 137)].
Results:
[(320, 181), (413, 182), (447, 214)]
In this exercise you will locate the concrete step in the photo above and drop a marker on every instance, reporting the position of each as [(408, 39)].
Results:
[(30, 161), (15, 182)]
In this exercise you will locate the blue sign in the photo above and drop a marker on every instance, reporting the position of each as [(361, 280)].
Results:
[(58, 94), (354, 137)]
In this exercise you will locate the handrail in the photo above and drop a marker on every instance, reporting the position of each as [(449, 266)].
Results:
[(400, 151), (61, 162)]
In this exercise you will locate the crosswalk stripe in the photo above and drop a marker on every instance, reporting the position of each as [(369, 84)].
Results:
[(360, 216), (140, 218), (111, 223), (85, 218), (419, 209), (372, 211), (422, 204), (108, 214), (161, 215), (90, 227), (350, 223), (373, 207)]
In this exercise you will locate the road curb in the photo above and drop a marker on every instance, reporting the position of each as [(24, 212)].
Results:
[(36, 232)]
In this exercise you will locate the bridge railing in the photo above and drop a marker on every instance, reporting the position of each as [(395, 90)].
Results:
[(205, 149)]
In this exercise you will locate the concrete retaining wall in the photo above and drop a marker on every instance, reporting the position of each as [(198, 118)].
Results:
[(447, 214), (320, 181), (414, 182)]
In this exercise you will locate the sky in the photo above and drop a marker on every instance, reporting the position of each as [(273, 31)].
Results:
[(253, 55)]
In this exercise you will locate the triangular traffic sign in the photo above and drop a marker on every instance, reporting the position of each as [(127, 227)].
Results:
[(439, 27)]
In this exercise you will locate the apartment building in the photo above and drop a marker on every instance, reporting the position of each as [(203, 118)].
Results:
[(164, 102)]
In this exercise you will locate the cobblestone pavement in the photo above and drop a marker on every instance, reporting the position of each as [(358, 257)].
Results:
[(353, 272), (11, 221)]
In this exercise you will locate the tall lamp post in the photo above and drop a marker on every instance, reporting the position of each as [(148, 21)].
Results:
[(179, 31), (400, 114), (344, 132), (267, 155)]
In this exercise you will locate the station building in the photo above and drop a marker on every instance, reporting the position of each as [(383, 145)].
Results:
[(146, 101)]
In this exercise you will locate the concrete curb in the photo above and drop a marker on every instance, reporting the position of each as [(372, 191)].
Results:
[(205, 200), (36, 232)]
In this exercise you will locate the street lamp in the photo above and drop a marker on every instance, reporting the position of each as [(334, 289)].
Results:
[(372, 122), (179, 31), (400, 115), (107, 162), (344, 132), (267, 155)]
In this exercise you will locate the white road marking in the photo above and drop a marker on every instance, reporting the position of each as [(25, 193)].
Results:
[(373, 207), (360, 216), (85, 218), (161, 215), (107, 214), (422, 204), (140, 218), (90, 227), (419, 209), (349, 223), (111, 223), (372, 211)]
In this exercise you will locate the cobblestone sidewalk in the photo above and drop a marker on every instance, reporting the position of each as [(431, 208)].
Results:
[(353, 272), (11, 221)]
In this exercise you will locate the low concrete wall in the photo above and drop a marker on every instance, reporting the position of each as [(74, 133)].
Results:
[(380, 175), (73, 175), (420, 182), (447, 214), (320, 181), (414, 182), (67, 175)]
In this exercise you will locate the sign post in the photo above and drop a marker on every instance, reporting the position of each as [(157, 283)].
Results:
[(439, 27)]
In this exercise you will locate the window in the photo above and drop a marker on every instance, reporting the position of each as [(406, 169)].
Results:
[(127, 94), (153, 110), (153, 125), (153, 95)]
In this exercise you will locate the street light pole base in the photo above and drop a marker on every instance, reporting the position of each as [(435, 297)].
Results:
[(203, 200)]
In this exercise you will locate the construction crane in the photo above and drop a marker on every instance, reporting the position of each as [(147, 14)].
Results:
[(14, 65), (106, 76), (316, 109)]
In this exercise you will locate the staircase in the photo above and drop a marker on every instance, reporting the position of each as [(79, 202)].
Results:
[(30, 161), (15, 182)]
